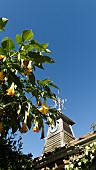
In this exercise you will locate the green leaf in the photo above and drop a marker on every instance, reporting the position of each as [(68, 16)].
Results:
[(3, 22), (47, 89), (15, 66), (7, 44), (39, 65), (2, 51), (38, 46), (85, 160), (36, 57), (13, 123), (28, 47), (51, 96), (45, 45), (44, 82), (32, 78), (53, 85), (27, 35), (18, 39)]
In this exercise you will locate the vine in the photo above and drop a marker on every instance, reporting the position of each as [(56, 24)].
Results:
[(83, 159)]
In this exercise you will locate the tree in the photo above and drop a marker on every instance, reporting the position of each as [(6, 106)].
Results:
[(19, 86), (18, 89), (11, 157)]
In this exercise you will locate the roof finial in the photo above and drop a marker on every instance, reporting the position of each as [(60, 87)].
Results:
[(59, 103)]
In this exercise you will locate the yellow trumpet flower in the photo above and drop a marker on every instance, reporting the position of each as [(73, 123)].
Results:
[(1, 75), (36, 128), (24, 62), (1, 57), (23, 128), (11, 90), (29, 68), (44, 109)]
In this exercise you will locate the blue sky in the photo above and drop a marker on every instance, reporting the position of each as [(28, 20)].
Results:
[(69, 26)]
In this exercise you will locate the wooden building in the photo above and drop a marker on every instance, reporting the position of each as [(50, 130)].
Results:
[(61, 144), (60, 156), (59, 135)]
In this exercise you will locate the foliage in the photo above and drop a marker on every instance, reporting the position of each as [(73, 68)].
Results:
[(84, 159), (11, 156), (19, 86)]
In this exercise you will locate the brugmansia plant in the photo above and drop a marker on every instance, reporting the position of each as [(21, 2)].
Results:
[(19, 86)]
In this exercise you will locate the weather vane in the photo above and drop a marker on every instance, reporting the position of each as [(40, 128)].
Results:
[(59, 103)]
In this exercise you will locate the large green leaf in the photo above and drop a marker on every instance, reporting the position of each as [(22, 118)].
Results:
[(39, 65), (47, 90), (2, 51), (51, 95), (42, 82), (7, 44), (18, 39), (27, 35), (53, 85), (36, 57), (28, 47), (38, 46)]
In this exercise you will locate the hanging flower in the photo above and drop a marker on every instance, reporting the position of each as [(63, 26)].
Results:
[(1, 127), (1, 75), (24, 62), (27, 113), (39, 103), (44, 109), (1, 57), (11, 90), (23, 128), (4, 19), (36, 127), (19, 109), (29, 68)]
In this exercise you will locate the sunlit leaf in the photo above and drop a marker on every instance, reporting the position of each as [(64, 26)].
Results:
[(27, 35), (18, 38), (36, 57), (43, 82), (2, 52), (7, 44), (38, 46)]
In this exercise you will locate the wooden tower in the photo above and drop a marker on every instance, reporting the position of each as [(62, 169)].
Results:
[(61, 134)]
